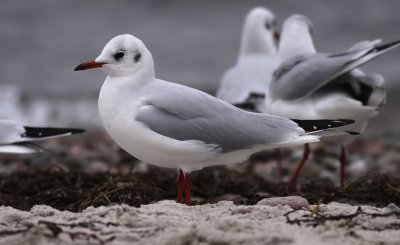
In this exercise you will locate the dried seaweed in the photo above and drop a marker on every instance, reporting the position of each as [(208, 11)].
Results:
[(314, 218), (75, 191)]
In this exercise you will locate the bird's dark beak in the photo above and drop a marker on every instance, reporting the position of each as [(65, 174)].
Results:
[(91, 64), (277, 35)]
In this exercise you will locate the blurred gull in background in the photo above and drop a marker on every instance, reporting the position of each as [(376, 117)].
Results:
[(18, 139), (244, 84), (311, 85)]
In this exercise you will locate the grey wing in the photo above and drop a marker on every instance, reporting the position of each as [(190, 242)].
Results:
[(364, 45), (10, 131), (184, 114), (304, 78), (301, 76)]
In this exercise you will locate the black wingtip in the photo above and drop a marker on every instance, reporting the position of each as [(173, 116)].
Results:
[(352, 133), (386, 46), (36, 132), (316, 125)]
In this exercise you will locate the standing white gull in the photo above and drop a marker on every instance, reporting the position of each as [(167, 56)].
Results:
[(311, 85), (174, 126), (17, 139), (245, 83)]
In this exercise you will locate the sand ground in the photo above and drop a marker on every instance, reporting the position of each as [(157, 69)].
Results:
[(167, 222)]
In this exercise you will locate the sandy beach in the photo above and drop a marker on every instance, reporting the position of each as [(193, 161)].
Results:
[(167, 222)]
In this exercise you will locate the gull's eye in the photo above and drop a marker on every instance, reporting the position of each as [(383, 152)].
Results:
[(268, 25), (119, 55)]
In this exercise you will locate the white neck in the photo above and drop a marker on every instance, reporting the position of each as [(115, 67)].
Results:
[(294, 42), (256, 41)]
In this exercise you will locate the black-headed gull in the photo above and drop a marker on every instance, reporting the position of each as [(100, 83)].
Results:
[(310, 85), (17, 139), (244, 84), (174, 126)]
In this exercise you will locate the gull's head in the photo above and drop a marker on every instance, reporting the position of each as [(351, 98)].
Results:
[(263, 19), (123, 55), (297, 23), (259, 32), (296, 37)]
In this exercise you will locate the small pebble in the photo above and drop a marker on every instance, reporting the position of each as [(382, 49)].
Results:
[(295, 202)]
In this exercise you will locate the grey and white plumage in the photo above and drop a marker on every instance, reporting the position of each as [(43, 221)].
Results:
[(16, 139), (171, 125), (311, 85), (245, 83)]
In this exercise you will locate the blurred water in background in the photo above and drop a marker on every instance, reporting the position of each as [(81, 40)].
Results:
[(192, 42)]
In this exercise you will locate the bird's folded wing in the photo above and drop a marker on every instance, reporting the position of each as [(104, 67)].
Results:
[(12, 132), (42, 133), (184, 114), (301, 76), (364, 45)]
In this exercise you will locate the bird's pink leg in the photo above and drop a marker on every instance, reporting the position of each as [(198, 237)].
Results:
[(179, 183), (293, 179), (278, 156), (343, 160), (187, 188)]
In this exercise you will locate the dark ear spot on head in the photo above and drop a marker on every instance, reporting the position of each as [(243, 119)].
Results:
[(137, 57)]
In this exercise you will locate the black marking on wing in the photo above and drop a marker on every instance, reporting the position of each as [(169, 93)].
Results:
[(365, 93), (257, 95), (251, 102), (353, 133), (316, 125), (247, 106), (384, 46), (36, 132)]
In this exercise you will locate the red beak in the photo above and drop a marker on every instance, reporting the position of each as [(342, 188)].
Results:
[(89, 65)]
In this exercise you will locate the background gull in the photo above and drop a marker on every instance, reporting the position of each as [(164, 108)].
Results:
[(245, 83), (17, 139), (174, 126), (311, 85)]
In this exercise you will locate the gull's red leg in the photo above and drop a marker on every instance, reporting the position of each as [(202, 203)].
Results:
[(187, 188), (278, 156), (343, 160), (293, 179), (179, 183)]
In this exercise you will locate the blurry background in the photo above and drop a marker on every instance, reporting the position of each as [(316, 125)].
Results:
[(192, 42)]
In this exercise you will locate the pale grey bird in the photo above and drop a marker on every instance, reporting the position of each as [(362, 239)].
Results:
[(18, 139), (174, 126), (245, 83), (311, 85)]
